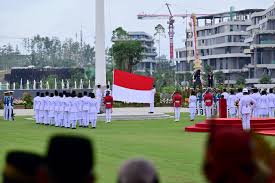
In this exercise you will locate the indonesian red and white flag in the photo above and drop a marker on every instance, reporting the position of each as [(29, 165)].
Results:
[(132, 88)]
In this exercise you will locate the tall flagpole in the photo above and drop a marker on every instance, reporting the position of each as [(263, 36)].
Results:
[(100, 60)]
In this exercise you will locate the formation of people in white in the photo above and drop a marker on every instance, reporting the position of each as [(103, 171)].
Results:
[(70, 110), (244, 104)]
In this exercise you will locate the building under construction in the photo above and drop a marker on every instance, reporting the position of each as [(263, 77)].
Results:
[(220, 43)]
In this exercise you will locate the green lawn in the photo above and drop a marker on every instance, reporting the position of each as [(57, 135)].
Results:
[(176, 154)]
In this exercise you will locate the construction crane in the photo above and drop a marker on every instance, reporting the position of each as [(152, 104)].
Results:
[(170, 22)]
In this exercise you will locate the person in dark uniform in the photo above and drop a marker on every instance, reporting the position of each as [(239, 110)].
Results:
[(210, 78), (197, 79)]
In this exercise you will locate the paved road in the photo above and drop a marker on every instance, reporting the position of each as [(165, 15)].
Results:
[(116, 111)]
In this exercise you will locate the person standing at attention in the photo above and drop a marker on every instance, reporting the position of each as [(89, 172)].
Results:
[(108, 101), (232, 99), (36, 107), (271, 103), (247, 103), (177, 101), (98, 94), (208, 100), (152, 99), (192, 105)]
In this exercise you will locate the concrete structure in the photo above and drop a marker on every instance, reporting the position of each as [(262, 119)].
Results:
[(147, 65), (100, 63), (220, 43), (262, 45)]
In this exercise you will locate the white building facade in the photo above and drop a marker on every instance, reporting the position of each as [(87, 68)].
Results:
[(221, 45)]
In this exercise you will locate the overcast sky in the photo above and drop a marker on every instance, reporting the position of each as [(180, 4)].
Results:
[(64, 18)]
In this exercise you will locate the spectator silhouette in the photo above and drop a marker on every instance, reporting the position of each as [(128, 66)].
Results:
[(229, 157), (69, 160), (138, 171), (21, 167)]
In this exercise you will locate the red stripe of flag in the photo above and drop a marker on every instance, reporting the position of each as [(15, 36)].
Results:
[(132, 81)]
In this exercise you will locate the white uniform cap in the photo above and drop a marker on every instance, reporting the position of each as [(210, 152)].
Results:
[(245, 90)]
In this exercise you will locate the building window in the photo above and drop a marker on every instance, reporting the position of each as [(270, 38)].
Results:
[(228, 50)]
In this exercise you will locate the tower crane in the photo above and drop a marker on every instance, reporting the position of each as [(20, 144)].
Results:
[(171, 21)]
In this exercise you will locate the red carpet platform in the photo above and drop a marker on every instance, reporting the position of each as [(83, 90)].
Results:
[(264, 126)]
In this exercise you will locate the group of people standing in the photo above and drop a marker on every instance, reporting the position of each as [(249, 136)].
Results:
[(8, 106), (67, 109), (242, 104)]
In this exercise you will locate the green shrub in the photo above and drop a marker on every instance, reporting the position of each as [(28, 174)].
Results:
[(28, 100)]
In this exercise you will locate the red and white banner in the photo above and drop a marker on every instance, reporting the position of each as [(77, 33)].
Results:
[(132, 88)]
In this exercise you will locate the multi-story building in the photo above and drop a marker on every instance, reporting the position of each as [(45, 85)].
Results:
[(262, 45), (147, 65), (220, 43)]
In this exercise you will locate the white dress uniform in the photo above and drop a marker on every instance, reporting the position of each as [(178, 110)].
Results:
[(36, 104), (256, 110), (226, 95), (56, 110), (231, 101), (61, 110), (263, 102), (46, 109), (192, 106), (67, 107), (80, 111), (239, 96), (10, 107), (152, 100), (271, 104), (85, 103), (245, 107), (51, 110), (6, 110), (93, 111), (99, 99), (203, 104), (41, 109), (73, 111)]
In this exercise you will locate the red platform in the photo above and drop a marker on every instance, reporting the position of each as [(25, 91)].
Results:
[(264, 126)]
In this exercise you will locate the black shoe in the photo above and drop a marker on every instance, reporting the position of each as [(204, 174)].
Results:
[(93, 127), (73, 128), (151, 112)]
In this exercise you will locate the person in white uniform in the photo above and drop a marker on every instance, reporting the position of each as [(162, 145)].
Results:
[(232, 99), (67, 107), (98, 94), (41, 108), (192, 105), (271, 103), (85, 109), (247, 103), (256, 96), (73, 110), (263, 102), (51, 108), (36, 107), (80, 110), (46, 108), (152, 99), (226, 95), (61, 110), (239, 95), (56, 110), (92, 112), (6, 101)]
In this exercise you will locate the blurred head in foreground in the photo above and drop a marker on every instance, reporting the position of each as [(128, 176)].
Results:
[(137, 171), (21, 167), (70, 160), (229, 156)]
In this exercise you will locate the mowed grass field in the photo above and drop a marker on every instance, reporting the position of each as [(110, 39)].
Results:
[(177, 155)]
